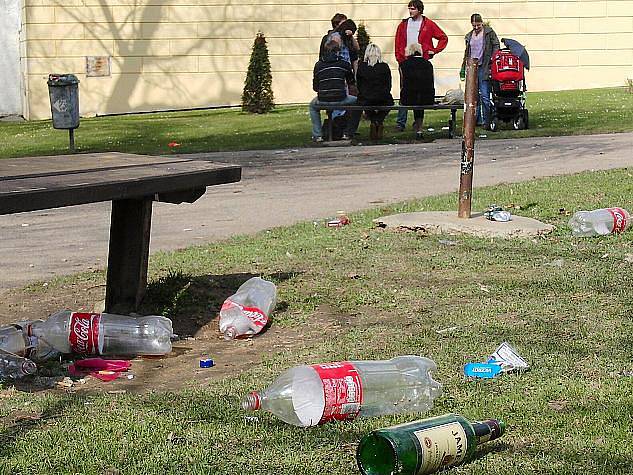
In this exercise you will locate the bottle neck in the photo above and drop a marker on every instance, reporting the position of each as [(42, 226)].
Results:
[(488, 430)]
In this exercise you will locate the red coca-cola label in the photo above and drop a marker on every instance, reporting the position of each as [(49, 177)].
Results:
[(619, 219), (84, 333), (342, 389), (254, 314)]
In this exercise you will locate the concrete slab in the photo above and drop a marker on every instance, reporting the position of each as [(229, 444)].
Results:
[(447, 222)]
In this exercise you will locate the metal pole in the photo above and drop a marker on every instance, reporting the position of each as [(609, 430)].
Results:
[(468, 141), (71, 137)]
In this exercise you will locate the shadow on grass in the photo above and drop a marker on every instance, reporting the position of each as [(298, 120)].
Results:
[(194, 301), (18, 423)]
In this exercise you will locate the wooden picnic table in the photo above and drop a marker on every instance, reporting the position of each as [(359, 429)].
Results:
[(131, 182)]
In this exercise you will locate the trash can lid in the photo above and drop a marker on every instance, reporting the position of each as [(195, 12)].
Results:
[(62, 79)]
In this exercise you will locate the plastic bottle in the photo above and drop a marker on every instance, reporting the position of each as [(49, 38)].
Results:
[(423, 447), (247, 311), (105, 333), (15, 367), (15, 339), (310, 395), (599, 222)]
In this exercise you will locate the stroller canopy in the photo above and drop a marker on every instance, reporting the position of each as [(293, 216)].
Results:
[(518, 50)]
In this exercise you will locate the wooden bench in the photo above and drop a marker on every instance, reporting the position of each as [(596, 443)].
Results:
[(436, 106), (131, 182)]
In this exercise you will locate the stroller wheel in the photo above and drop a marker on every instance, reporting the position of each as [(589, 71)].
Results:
[(519, 123), (494, 124), (526, 119)]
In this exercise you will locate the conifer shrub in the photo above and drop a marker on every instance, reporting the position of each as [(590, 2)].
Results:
[(257, 96)]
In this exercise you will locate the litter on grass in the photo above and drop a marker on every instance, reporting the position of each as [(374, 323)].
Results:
[(505, 359)]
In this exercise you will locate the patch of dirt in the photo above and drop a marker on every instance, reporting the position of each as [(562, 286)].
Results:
[(180, 369)]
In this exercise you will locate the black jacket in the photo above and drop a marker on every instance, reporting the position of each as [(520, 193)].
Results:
[(331, 77), (374, 84), (417, 88)]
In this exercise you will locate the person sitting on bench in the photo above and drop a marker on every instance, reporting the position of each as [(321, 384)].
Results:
[(373, 80), (417, 86), (331, 77)]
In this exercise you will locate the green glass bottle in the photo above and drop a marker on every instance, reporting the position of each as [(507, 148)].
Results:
[(426, 446)]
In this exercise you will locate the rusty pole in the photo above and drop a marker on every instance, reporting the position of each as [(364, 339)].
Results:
[(468, 141)]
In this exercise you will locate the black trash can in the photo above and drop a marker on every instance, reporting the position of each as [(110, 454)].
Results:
[(63, 90)]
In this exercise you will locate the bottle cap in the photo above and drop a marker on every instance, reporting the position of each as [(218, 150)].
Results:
[(206, 363)]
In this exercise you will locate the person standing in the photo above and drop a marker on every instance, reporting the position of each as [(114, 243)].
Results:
[(330, 81), (481, 43), (373, 80), (417, 29), (417, 85)]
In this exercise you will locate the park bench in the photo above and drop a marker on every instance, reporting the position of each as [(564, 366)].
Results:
[(435, 106), (131, 182)]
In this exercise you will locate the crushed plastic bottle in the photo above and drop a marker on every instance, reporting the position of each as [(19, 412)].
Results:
[(14, 366), (15, 339), (599, 222), (247, 311), (104, 333), (310, 395)]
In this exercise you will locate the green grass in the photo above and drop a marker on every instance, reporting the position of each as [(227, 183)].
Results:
[(564, 303), (551, 113)]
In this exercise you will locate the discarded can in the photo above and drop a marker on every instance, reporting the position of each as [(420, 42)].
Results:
[(341, 220), (497, 213)]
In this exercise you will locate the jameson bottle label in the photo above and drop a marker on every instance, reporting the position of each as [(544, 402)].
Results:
[(342, 389), (442, 446), (619, 219), (84, 333)]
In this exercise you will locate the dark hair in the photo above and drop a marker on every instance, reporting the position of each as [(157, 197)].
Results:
[(476, 18), (417, 4), (338, 18)]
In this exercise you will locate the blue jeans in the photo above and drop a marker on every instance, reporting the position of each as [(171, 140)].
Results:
[(401, 120), (483, 108), (315, 114)]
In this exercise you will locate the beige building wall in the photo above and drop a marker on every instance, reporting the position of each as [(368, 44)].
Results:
[(169, 54)]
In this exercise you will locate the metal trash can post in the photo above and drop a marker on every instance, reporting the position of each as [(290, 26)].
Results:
[(63, 91)]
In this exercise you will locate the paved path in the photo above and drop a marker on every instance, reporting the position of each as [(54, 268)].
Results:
[(283, 187)]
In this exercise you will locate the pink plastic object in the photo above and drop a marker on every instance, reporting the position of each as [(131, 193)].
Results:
[(105, 370)]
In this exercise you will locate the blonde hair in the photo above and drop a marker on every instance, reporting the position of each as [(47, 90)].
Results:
[(373, 55), (413, 48)]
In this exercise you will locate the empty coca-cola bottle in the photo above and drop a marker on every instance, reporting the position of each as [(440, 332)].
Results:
[(14, 366), (310, 395), (599, 222), (247, 311), (105, 333)]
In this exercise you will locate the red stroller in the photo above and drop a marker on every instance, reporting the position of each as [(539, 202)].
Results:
[(507, 73)]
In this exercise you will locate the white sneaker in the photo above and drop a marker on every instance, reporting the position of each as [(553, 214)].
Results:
[(317, 139)]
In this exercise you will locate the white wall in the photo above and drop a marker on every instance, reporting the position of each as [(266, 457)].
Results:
[(10, 77)]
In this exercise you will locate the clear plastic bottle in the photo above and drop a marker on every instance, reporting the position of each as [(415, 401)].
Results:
[(16, 339), (247, 311), (15, 367), (13, 339), (309, 395), (599, 222), (105, 333)]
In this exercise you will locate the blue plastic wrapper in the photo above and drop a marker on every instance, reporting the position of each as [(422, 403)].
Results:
[(482, 370)]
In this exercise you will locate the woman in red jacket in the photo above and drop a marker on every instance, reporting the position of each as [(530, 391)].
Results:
[(417, 29)]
